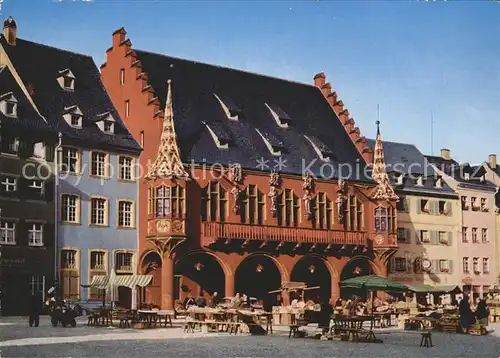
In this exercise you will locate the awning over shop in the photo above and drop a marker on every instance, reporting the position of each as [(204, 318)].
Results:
[(424, 288), (131, 281)]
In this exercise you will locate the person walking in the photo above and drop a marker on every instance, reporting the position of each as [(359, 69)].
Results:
[(35, 305)]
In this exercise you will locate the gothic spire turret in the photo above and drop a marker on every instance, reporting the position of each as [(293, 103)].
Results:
[(384, 190), (168, 163)]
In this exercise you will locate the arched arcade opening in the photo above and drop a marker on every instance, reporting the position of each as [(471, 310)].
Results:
[(151, 265), (256, 276), (313, 271), (358, 266), (199, 273)]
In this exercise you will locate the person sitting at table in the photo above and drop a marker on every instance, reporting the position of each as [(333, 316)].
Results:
[(201, 301), (214, 300), (466, 316), (236, 301), (482, 312), (188, 301), (325, 316)]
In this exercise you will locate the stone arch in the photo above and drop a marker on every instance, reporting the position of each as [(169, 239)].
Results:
[(150, 264), (357, 266), (314, 270), (200, 271), (258, 274)]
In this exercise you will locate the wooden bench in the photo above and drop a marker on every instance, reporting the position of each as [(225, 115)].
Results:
[(124, 318), (426, 340), (230, 327)]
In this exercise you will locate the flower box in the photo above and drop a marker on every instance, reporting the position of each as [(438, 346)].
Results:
[(445, 270), (426, 239), (443, 241)]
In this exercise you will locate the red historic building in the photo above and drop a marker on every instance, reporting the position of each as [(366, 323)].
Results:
[(249, 181)]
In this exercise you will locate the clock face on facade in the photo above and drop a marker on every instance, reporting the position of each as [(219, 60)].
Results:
[(426, 264)]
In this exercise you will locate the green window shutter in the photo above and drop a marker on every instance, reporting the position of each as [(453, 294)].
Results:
[(407, 204), (450, 238), (434, 237), (419, 206), (418, 234), (448, 208), (450, 266), (408, 236)]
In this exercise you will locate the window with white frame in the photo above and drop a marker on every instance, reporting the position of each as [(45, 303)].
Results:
[(484, 204), (444, 265), (465, 265), (37, 286), (7, 232), (36, 189), (125, 168), (9, 184), (98, 260), (70, 208), (486, 265), (124, 261), (35, 234), (125, 214), (484, 235), (475, 265), (98, 211), (98, 164), (70, 161)]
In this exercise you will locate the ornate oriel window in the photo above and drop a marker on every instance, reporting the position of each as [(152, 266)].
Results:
[(288, 208), (380, 219), (322, 208), (252, 206), (213, 202), (166, 201)]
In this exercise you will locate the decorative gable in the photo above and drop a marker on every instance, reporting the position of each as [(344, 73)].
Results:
[(279, 115), (73, 116), (8, 105), (66, 80), (106, 123), (231, 110), (383, 190)]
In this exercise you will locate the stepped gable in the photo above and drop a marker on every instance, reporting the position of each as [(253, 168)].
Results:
[(229, 116), (344, 117), (52, 100)]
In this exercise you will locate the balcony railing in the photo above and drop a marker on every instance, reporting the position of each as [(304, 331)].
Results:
[(214, 230)]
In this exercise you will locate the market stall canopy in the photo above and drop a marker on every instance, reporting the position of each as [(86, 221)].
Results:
[(373, 283), (130, 281), (294, 286), (424, 288)]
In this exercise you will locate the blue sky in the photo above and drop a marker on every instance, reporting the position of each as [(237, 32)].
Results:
[(415, 59)]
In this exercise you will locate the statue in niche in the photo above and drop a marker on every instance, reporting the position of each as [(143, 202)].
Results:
[(307, 186)]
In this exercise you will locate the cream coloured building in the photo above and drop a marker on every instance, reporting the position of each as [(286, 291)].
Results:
[(428, 220), (492, 168), (477, 247)]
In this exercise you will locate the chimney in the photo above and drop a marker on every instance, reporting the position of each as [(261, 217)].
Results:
[(10, 31), (319, 80), (492, 161), (326, 89), (445, 154)]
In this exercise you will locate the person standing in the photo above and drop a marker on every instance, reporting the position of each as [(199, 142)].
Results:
[(482, 312), (35, 305), (466, 316)]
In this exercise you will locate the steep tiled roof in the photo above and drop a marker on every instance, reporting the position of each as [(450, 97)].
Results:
[(459, 171), (196, 90), (39, 66), (403, 158), (27, 119)]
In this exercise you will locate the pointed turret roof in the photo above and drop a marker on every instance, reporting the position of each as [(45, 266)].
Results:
[(168, 163), (384, 190)]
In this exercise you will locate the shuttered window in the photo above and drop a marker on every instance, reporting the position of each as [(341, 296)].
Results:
[(70, 275)]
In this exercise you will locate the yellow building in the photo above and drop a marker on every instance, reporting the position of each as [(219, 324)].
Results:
[(428, 220), (493, 174)]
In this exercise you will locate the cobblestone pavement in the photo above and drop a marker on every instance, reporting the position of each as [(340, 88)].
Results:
[(19, 340)]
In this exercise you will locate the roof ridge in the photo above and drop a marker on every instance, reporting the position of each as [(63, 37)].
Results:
[(227, 68), (54, 48)]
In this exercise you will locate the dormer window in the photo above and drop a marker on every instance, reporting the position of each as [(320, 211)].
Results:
[(323, 152), (274, 145), (400, 179), (66, 80), (73, 116), (231, 110), (279, 115), (466, 176), (420, 181), (106, 123), (8, 105), (221, 138), (438, 183)]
